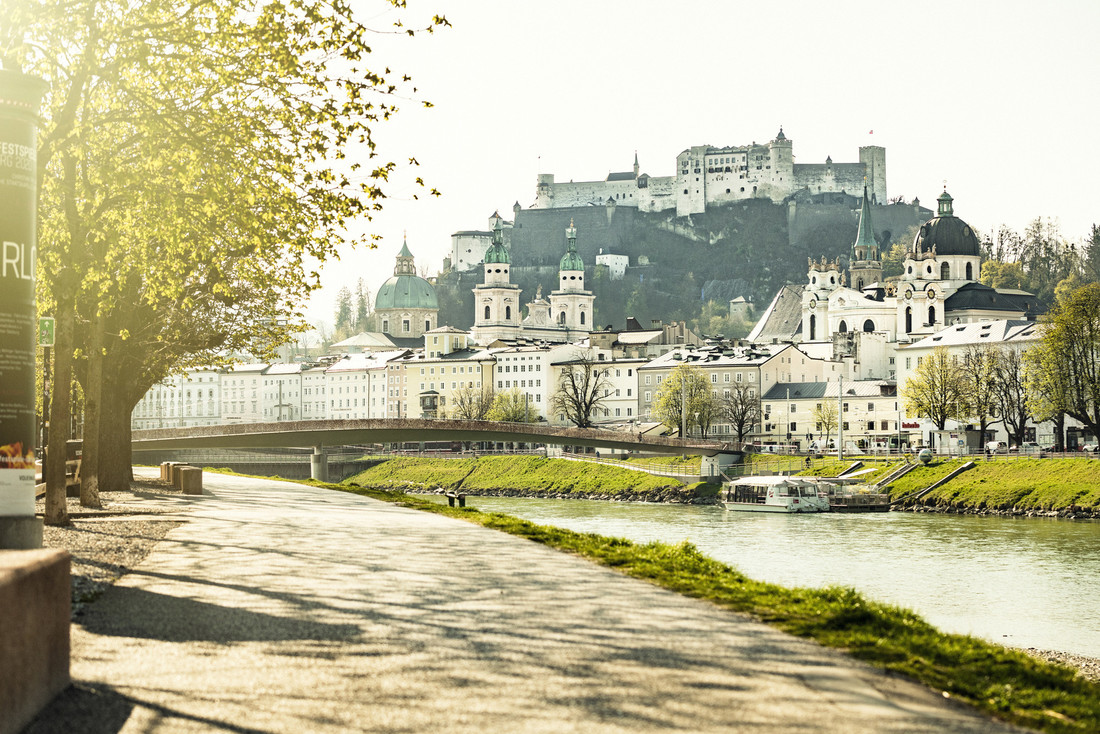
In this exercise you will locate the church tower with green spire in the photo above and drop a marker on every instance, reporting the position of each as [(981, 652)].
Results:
[(496, 299), (571, 304), (865, 265)]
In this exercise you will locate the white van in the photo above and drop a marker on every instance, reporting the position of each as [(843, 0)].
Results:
[(996, 447)]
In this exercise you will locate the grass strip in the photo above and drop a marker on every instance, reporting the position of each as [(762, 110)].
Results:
[(1025, 483), (494, 473), (1000, 681)]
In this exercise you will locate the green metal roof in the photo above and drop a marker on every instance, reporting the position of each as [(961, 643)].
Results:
[(571, 260), (406, 291), (866, 235), (497, 252)]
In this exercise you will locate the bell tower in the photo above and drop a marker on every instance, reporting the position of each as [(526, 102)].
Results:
[(865, 265), (496, 299), (571, 304)]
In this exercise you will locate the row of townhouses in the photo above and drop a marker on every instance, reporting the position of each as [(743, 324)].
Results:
[(790, 381)]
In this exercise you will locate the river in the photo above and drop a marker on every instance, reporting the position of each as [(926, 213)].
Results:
[(1022, 582)]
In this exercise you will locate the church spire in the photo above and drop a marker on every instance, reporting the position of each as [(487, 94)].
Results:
[(865, 247), (405, 264)]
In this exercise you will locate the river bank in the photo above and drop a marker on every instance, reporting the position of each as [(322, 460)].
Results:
[(1029, 488)]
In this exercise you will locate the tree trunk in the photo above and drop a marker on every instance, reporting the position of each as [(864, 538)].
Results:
[(93, 389), (115, 464), (1059, 431), (57, 512)]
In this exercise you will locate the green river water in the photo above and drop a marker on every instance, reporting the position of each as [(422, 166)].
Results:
[(1022, 582)]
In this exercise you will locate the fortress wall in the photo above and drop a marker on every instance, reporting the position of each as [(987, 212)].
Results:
[(659, 196), (538, 237), (818, 177), (468, 249), (626, 193)]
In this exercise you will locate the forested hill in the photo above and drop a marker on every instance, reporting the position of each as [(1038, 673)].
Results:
[(678, 264)]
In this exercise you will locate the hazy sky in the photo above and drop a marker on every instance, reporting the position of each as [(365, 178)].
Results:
[(997, 98)]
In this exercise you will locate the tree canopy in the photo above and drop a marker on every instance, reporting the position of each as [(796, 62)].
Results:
[(701, 407), (196, 158), (1065, 365), (936, 389)]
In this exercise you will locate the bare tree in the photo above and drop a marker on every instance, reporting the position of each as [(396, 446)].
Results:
[(741, 409), (471, 403), (978, 373), (1010, 386), (582, 388), (827, 417)]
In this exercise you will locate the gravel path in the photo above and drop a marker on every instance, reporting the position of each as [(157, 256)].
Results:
[(109, 542)]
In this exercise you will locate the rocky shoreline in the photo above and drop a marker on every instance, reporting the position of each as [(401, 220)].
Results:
[(668, 496), (1069, 513), (672, 496)]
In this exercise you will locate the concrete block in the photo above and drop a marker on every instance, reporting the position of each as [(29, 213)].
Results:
[(166, 471), (174, 474), (34, 633), (190, 480), (20, 533)]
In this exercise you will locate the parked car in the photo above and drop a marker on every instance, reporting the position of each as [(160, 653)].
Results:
[(1027, 447), (996, 447), (1090, 447)]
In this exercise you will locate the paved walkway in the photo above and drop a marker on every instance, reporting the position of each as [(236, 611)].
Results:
[(282, 608)]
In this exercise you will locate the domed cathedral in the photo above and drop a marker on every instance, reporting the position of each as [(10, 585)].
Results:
[(566, 317), (938, 286), (406, 305), (496, 299)]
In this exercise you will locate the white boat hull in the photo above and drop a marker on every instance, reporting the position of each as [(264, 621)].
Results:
[(785, 509)]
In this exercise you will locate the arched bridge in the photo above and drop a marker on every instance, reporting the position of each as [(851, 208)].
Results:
[(318, 434), (307, 434)]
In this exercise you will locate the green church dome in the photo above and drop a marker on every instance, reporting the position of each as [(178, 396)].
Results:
[(405, 289), (571, 260), (406, 292)]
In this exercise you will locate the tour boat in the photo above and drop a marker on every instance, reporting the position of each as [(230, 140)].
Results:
[(776, 494)]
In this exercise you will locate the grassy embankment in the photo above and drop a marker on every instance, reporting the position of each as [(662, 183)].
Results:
[(526, 475), (1001, 681), (1024, 484)]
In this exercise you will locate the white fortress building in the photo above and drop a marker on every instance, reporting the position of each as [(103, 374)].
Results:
[(708, 176)]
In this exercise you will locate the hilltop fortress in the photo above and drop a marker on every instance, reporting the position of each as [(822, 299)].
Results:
[(707, 176)]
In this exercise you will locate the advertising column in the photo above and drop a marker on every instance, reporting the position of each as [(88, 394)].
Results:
[(19, 100)]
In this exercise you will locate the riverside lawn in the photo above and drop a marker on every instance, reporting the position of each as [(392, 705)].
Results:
[(528, 475), (1006, 683), (1025, 484)]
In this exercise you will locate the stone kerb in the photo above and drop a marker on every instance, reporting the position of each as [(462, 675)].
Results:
[(34, 637), (174, 472), (190, 480)]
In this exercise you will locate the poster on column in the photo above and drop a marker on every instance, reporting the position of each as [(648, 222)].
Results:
[(19, 96)]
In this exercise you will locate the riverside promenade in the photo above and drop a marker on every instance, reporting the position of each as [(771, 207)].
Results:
[(277, 607)]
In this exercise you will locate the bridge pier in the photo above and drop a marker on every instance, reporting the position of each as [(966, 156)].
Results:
[(318, 464)]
